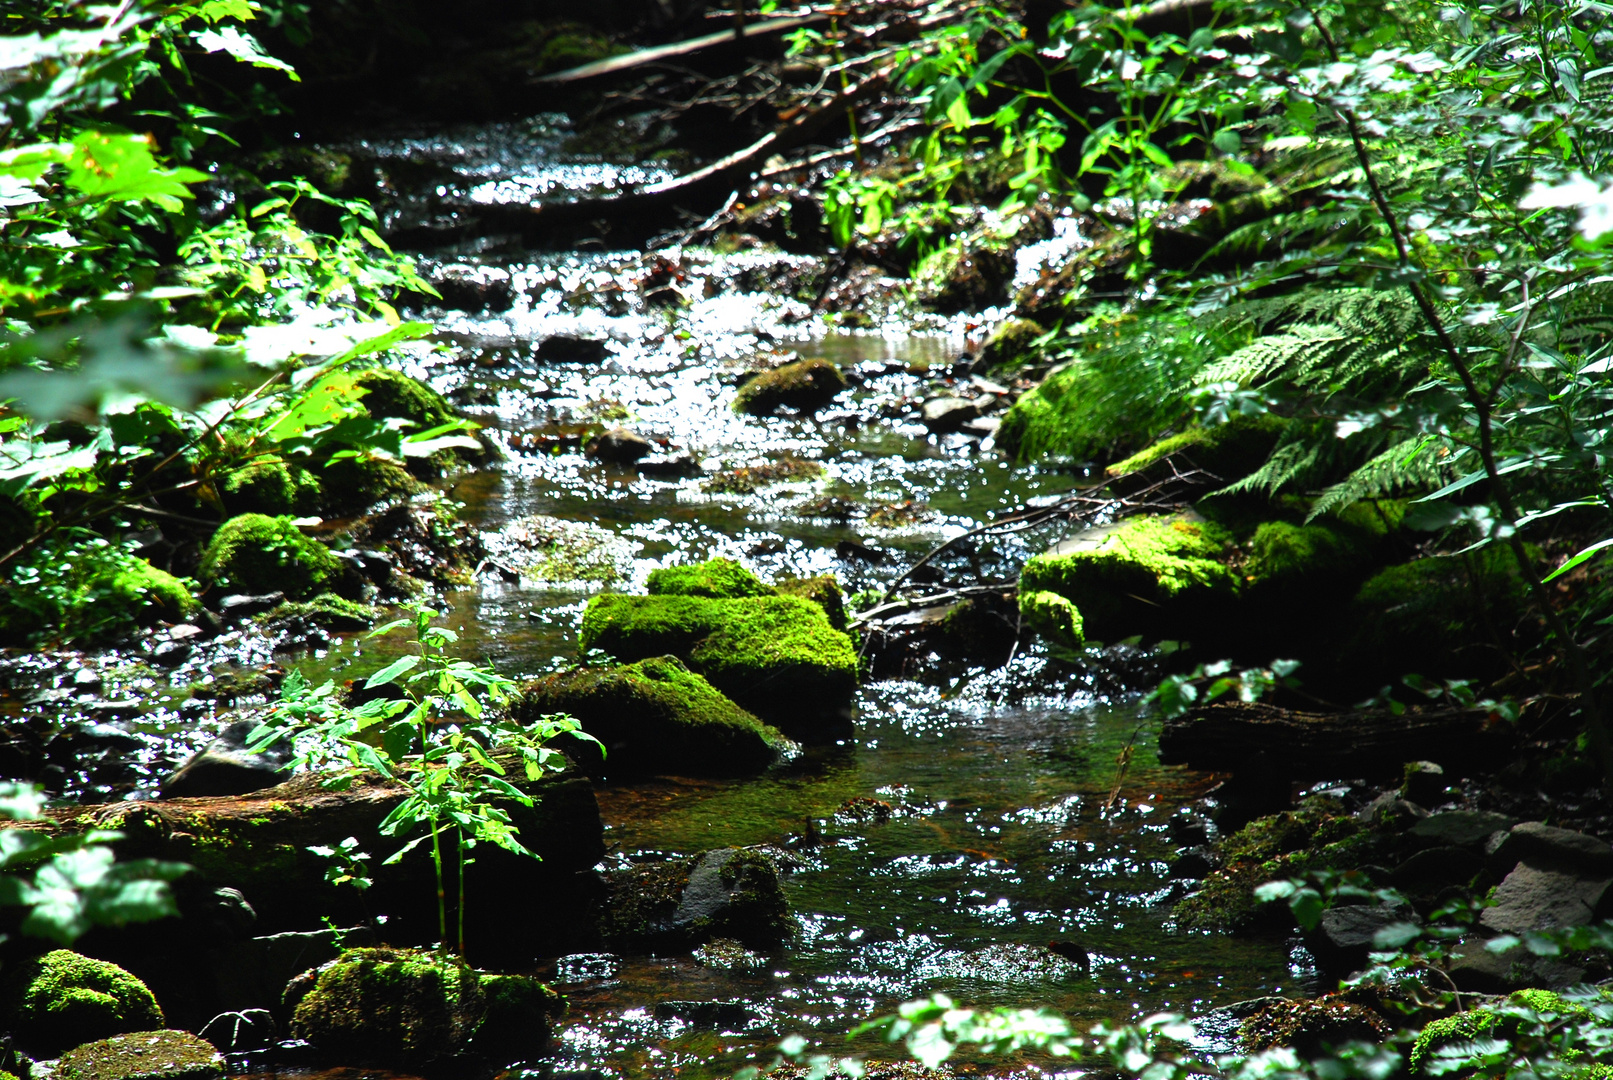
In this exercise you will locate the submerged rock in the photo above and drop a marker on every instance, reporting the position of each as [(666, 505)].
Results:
[(730, 893), (656, 716), (1008, 964), (806, 386), (618, 446), (777, 656), (748, 479), (62, 999), (224, 767), (543, 550), (410, 1009), (142, 1055)]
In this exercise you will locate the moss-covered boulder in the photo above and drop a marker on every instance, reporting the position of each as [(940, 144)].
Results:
[(806, 386), (411, 1009), (721, 579), (777, 656), (1313, 1027), (255, 553), (271, 485), (101, 591), (731, 893), (326, 611), (352, 485), (392, 395), (1230, 451), (59, 1000), (655, 716), (821, 589), (142, 1055), (1153, 575), (1011, 344), (1053, 617)]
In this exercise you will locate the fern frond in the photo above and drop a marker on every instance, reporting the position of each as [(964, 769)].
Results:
[(1408, 464)]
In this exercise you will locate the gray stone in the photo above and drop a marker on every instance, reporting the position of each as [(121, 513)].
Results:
[(942, 416), (243, 606), (1532, 839), (1424, 784), (1457, 828), (238, 1032), (618, 446), (224, 767), (1346, 934), (253, 974), (1540, 894), (1395, 811), (984, 426), (1432, 869), (1472, 967)]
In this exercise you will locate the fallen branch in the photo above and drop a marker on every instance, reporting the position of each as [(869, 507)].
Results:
[(615, 65)]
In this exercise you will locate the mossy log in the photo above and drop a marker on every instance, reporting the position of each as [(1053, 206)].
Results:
[(258, 843), (1254, 737)]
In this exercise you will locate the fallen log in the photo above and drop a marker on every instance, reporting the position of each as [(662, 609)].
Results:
[(1247, 738), (615, 65)]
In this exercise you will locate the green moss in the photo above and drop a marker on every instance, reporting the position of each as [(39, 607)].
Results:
[(326, 610), (822, 590), (656, 716), (1492, 1022), (1144, 575), (1287, 555), (257, 554), (392, 395), (806, 385), (1053, 617), (968, 274), (144, 586), (775, 655), (722, 579), (270, 485), (1312, 1027), (145, 1055), (355, 484), (1231, 451), (62, 999)]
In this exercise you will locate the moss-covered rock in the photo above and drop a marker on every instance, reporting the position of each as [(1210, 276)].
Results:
[(392, 395), (409, 1009), (1313, 1027), (1011, 344), (271, 485), (88, 591), (722, 579), (1053, 617), (353, 485), (255, 553), (969, 274), (1231, 451), (822, 590), (326, 611), (777, 656), (655, 716), (731, 893), (62, 999), (546, 550), (748, 479), (806, 386), (142, 1055), (1492, 1021), (1152, 575)]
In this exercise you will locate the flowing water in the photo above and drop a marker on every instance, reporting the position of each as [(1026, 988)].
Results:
[(997, 781)]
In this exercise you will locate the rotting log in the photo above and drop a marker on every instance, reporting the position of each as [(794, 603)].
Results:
[(1257, 738), (258, 843), (615, 65)]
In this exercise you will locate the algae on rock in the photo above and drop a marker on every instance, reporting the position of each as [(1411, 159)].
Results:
[(1231, 450), (142, 1055), (62, 999), (777, 656), (656, 716), (805, 385)]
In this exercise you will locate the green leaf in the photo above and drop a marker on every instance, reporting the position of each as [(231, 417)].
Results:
[(119, 167), (392, 671), (243, 47), (1580, 558)]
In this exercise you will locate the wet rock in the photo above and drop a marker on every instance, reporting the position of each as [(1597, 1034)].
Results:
[(723, 1015), (670, 466), (1390, 810), (171, 654), (968, 275), (1222, 1026), (1007, 964), (983, 427), (566, 349), (618, 446), (944, 415), (1011, 344), (752, 478), (1473, 967), (62, 999), (655, 717), (543, 550), (475, 288), (587, 968), (252, 973), (410, 1009), (1346, 933), (777, 656), (238, 1032), (806, 386), (229, 915), (1536, 840), (327, 611), (1194, 863), (1540, 895), (1313, 1027), (1457, 828), (1432, 870), (238, 606), (1424, 784), (725, 954), (731, 893), (224, 767), (142, 1055)]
